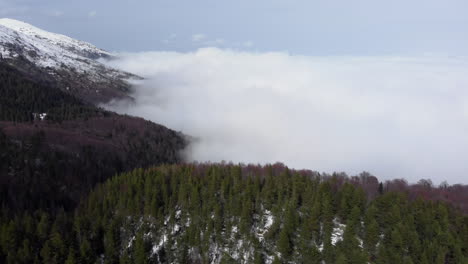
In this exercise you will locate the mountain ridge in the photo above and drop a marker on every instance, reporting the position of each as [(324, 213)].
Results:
[(70, 64), (83, 48)]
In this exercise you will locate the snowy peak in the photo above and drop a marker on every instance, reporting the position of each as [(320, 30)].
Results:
[(79, 47), (70, 64)]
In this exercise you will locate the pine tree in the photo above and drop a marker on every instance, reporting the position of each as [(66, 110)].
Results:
[(141, 252), (371, 236), (111, 244), (258, 259), (43, 227), (125, 258), (25, 253), (284, 243), (71, 258), (407, 260), (58, 247), (47, 253), (310, 256), (381, 189), (86, 253), (342, 259)]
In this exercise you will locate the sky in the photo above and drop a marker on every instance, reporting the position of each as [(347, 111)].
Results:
[(306, 27), (363, 85)]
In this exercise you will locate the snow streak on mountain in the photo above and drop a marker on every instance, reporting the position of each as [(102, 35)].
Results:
[(70, 63)]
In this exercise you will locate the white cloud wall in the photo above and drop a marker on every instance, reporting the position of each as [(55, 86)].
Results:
[(393, 116)]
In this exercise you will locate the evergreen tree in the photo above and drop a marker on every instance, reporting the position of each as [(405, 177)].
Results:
[(284, 243), (71, 258), (112, 244), (342, 259), (258, 259), (86, 252), (141, 252)]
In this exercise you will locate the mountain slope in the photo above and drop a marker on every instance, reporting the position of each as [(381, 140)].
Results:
[(38, 36), (64, 62), (55, 148), (23, 98)]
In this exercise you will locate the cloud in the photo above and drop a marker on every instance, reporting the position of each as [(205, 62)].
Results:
[(92, 13), (393, 116), (198, 37)]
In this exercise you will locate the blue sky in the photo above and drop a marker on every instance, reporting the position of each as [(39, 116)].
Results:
[(320, 27)]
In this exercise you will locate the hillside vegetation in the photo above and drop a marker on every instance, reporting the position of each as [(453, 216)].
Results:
[(54, 148), (240, 214), (21, 97)]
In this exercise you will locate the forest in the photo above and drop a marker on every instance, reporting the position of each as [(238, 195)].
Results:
[(21, 97), (53, 162), (225, 213)]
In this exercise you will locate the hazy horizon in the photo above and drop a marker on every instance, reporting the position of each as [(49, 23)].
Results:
[(299, 27)]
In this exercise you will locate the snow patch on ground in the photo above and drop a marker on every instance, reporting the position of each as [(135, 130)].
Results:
[(338, 231), (158, 246), (337, 234), (130, 242), (266, 221)]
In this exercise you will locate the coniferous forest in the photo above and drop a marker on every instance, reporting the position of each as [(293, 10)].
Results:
[(238, 214)]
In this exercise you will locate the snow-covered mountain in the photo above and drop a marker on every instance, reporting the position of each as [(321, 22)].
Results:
[(70, 64)]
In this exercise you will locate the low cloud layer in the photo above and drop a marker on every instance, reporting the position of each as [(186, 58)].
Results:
[(397, 117)]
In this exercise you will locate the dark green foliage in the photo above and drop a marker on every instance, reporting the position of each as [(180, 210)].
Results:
[(284, 243), (71, 258), (227, 205), (183, 213), (141, 250), (21, 97)]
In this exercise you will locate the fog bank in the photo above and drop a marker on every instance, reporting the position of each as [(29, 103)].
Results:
[(396, 117)]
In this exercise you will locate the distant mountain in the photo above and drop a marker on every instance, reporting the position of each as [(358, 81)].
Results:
[(69, 64)]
